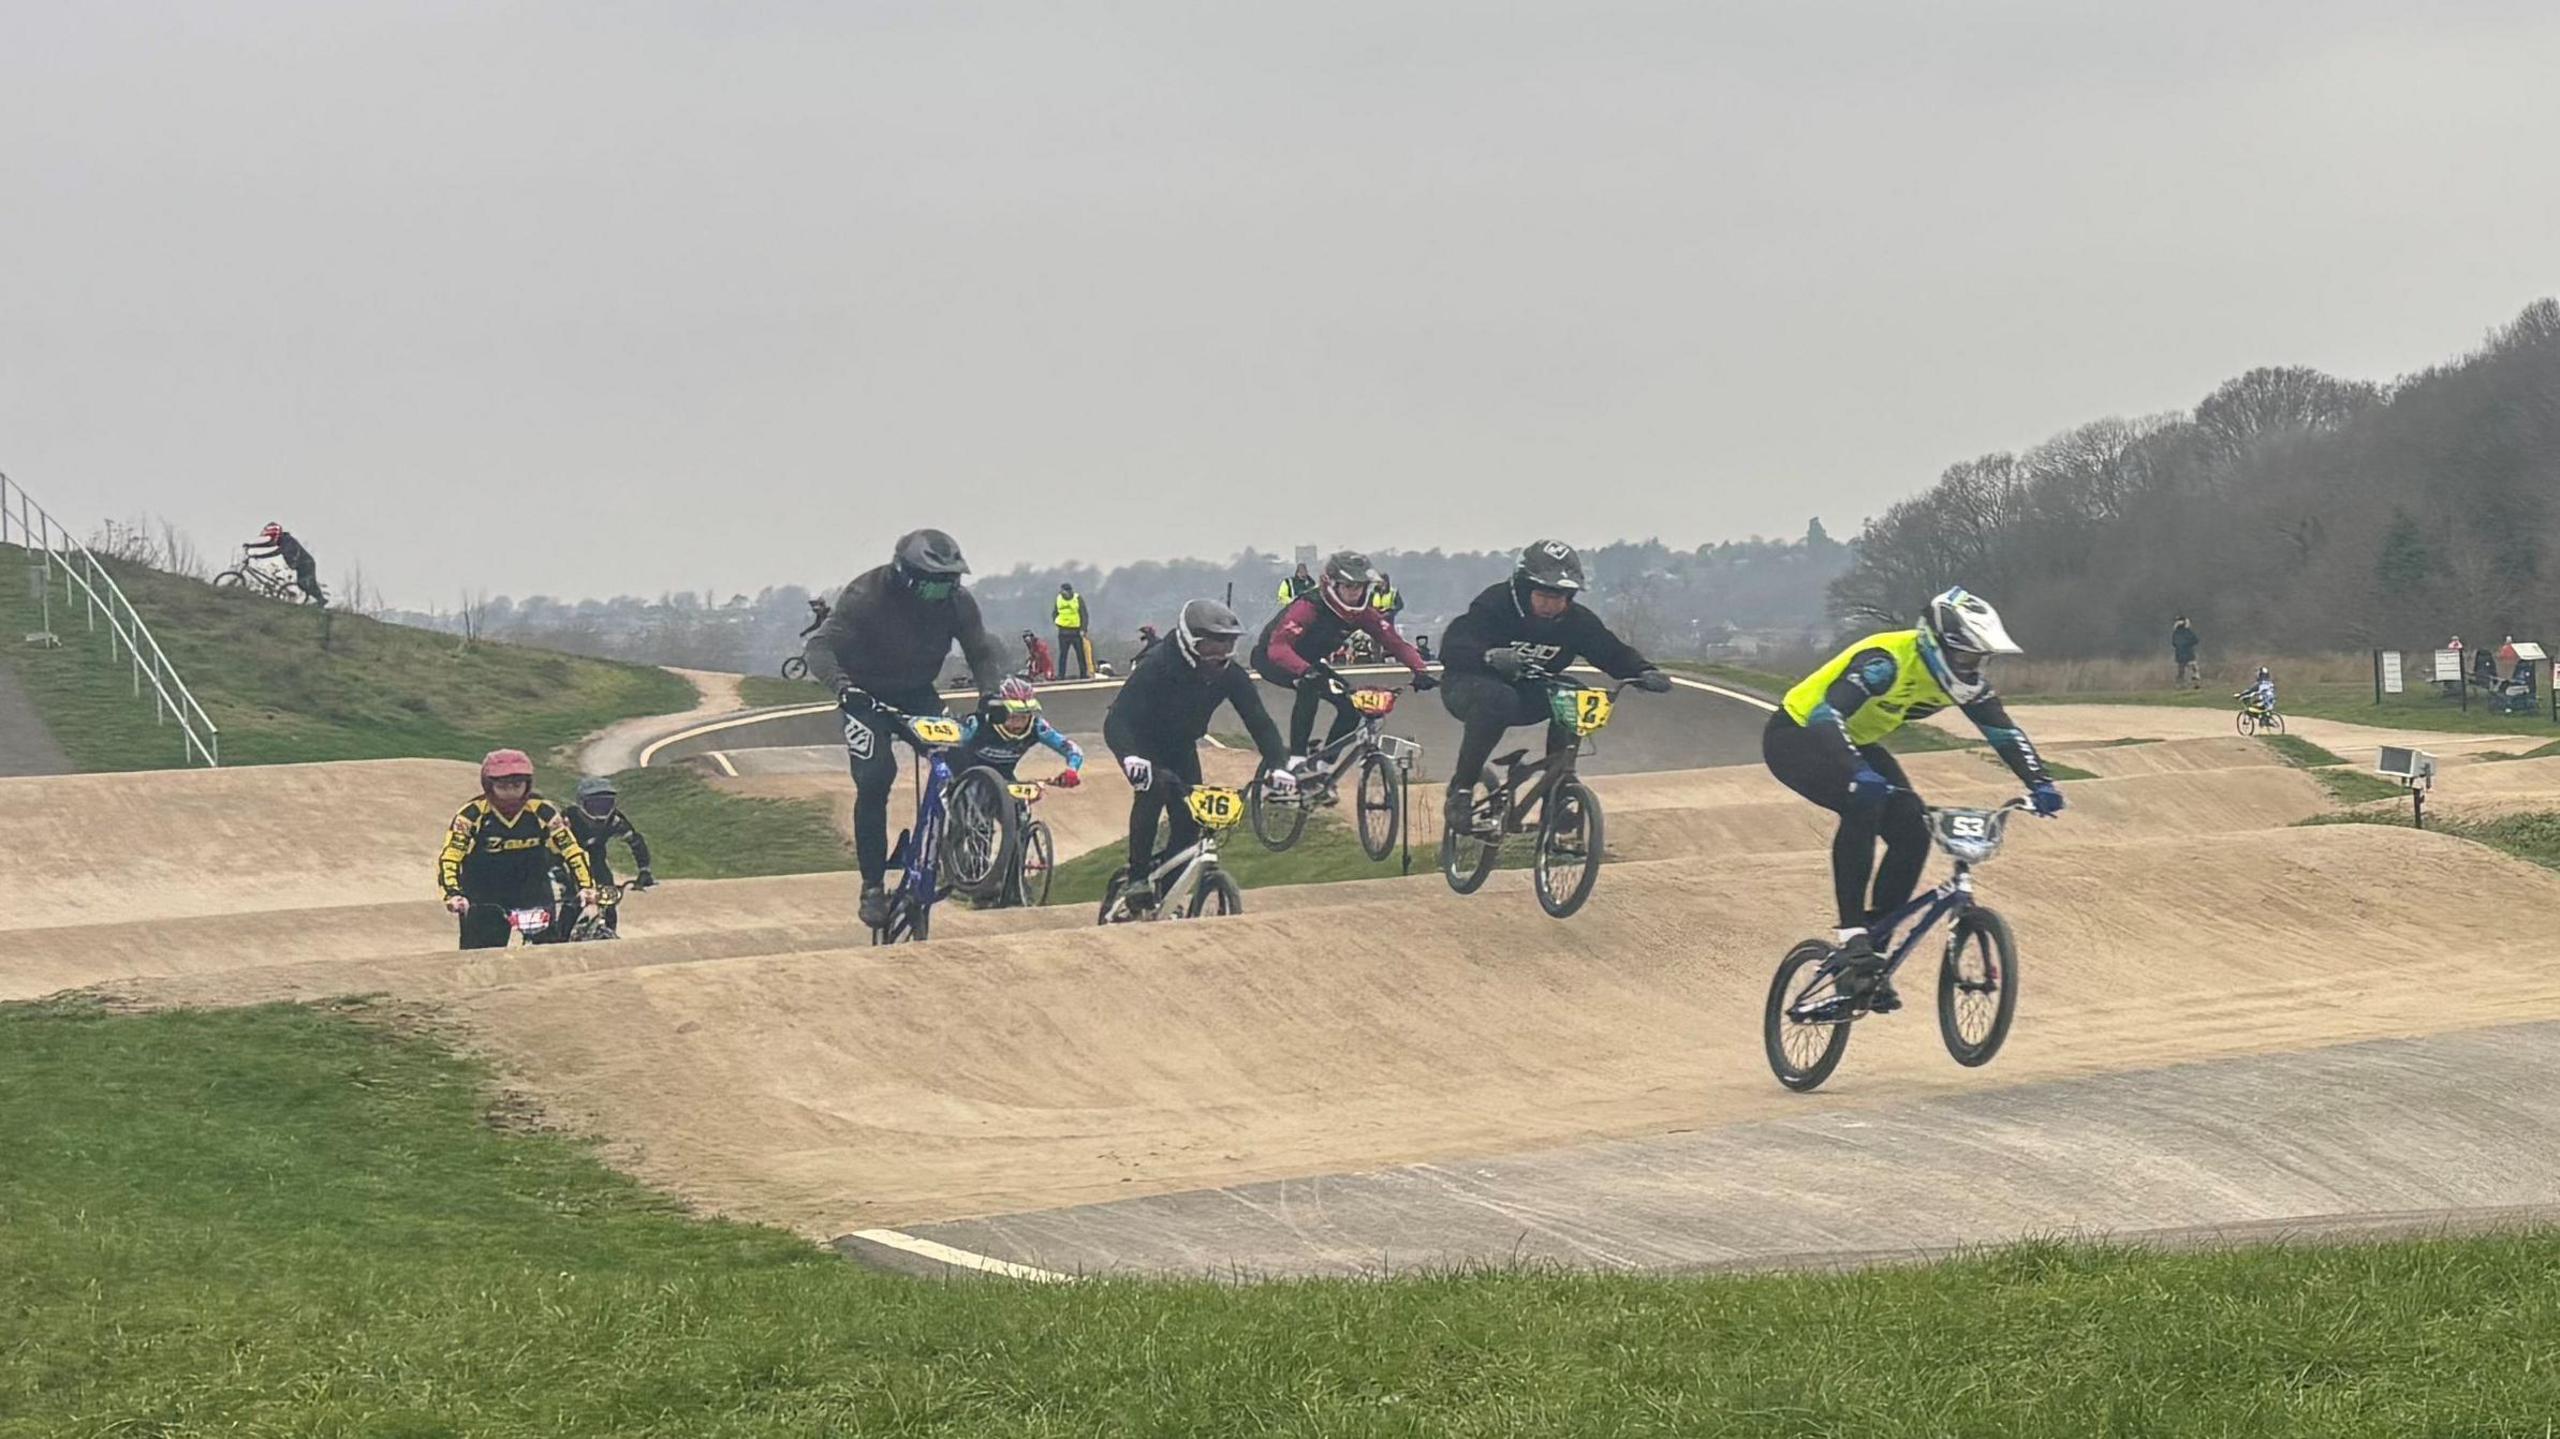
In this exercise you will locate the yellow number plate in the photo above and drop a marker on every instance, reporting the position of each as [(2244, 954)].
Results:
[(1023, 792), (1217, 808), (1373, 702), (933, 729), (1591, 710)]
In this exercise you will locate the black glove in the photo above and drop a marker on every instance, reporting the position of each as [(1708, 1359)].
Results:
[(847, 694), (646, 881), (1654, 682), (1504, 662), (1425, 680)]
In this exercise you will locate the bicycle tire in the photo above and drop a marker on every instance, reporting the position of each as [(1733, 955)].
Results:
[(795, 668), (229, 580), (1276, 824), (2246, 723), (1570, 796), (1466, 860), (1039, 864), (1381, 817), (1806, 1074), (1984, 932), (1221, 886), (981, 833), (1111, 894), (2273, 722)]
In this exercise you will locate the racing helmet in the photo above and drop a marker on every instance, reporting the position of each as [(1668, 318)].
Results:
[(1549, 565), (928, 562), (1348, 570), (272, 532), (1014, 709), (1958, 632), (598, 797), (505, 764), (1207, 633)]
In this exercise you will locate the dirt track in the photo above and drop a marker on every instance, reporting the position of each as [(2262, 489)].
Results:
[(745, 1051)]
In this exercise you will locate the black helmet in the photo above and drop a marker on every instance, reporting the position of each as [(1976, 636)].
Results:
[(1065, 588), (597, 796), (1550, 565), (929, 562), (1210, 621)]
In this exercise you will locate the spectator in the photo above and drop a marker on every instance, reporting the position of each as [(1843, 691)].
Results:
[(2182, 644), (1297, 584)]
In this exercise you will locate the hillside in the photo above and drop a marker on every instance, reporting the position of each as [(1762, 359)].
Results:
[(2292, 509), (287, 684)]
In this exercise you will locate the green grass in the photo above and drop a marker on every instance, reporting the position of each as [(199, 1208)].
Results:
[(2346, 704), (2532, 836), (377, 691), (2059, 770), (284, 1221), (2299, 752), (759, 691), (698, 832), (1327, 852), (2345, 783)]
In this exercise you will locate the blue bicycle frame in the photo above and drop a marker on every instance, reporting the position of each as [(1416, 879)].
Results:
[(1953, 896), (919, 882)]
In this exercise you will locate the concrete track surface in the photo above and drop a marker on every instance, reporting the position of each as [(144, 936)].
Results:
[(2228, 1024)]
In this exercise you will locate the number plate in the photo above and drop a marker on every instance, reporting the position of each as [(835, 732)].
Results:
[(1373, 702), (1591, 710), (934, 730), (529, 922), (1217, 808), (1023, 791)]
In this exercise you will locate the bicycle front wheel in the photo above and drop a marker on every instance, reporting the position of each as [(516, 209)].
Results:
[(1803, 1051), (1216, 894), (1570, 843), (981, 833), (1978, 987), (795, 668), (1380, 804), (2246, 723), (1039, 861), (1277, 822)]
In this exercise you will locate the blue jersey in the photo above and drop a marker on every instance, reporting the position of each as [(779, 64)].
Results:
[(980, 744)]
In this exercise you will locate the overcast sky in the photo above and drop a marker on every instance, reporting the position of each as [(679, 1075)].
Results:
[(599, 298)]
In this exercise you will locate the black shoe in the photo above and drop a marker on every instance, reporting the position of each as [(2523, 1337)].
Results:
[(875, 907), (1139, 904), (1862, 975)]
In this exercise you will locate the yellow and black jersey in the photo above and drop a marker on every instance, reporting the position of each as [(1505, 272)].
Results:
[(487, 853)]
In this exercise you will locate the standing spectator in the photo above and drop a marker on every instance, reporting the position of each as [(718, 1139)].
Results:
[(2182, 643), (275, 543), (2484, 667), (1072, 648), (1297, 584), (1389, 599)]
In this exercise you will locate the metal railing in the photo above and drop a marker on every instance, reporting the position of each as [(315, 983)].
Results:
[(53, 552)]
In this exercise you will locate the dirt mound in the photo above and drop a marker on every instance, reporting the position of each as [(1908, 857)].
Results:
[(830, 1091)]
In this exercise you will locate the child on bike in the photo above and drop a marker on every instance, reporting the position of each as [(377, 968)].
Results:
[(1316, 624), (1825, 743), (1006, 727), (274, 542), (883, 643), (499, 852), (2260, 696), (1516, 630), (597, 820), (1156, 723)]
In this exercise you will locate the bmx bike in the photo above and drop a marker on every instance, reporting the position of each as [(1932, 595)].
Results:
[(1190, 881), (1378, 792), (1571, 838)]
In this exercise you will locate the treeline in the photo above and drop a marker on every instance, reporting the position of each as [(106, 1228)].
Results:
[(2303, 511), (1697, 602)]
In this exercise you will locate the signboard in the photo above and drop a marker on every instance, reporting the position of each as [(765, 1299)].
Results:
[(2391, 672), (2449, 665)]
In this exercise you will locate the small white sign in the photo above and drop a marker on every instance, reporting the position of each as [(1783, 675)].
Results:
[(2449, 665), (2391, 672)]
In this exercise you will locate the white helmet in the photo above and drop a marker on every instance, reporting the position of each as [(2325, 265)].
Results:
[(1963, 631)]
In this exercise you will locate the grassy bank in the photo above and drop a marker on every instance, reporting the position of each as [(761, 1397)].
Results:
[(282, 1221), (698, 832), (2532, 836), (288, 684), (760, 691)]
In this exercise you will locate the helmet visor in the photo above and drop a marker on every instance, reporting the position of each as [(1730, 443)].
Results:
[(599, 806), (1215, 648), (935, 587), (1350, 594)]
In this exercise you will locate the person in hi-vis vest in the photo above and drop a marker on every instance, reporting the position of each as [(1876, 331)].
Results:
[(1073, 648)]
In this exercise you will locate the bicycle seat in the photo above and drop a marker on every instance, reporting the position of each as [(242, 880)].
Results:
[(1511, 760)]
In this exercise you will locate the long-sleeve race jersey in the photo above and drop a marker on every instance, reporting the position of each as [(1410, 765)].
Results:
[(487, 855), (980, 744), (1166, 705), (1885, 681), (284, 547), (1500, 619), (880, 636), (1308, 626), (595, 834)]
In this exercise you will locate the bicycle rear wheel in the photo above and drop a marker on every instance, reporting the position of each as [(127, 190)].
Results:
[(1468, 858), (1803, 1052), (981, 832), (1216, 894), (1978, 987), (1277, 822), (1570, 845), (1380, 806), (1111, 894), (229, 580), (795, 668), (1039, 862)]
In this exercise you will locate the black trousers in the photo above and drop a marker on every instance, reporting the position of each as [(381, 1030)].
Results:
[(1814, 763), (1491, 707), (1071, 642), (867, 746), (1172, 762), (1314, 689)]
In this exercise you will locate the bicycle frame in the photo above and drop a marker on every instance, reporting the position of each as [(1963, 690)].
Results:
[(920, 873), (1526, 785), (1187, 864), (1952, 897)]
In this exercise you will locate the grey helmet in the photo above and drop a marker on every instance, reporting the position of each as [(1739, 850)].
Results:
[(1347, 567), (596, 787), (1206, 620), (1545, 565), (929, 562)]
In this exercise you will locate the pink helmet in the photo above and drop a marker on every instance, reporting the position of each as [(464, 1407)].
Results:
[(272, 530), (505, 764)]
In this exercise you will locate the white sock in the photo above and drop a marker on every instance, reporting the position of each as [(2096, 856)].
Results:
[(1846, 935)]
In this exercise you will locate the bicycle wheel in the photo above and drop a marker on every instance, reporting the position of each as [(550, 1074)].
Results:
[(1276, 822), (1802, 1053), (1570, 845), (2273, 722), (982, 828), (795, 668), (1978, 987), (1039, 861), (1111, 894), (2246, 722), (229, 580), (1467, 858), (907, 921), (1217, 893), (1380, 804)]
